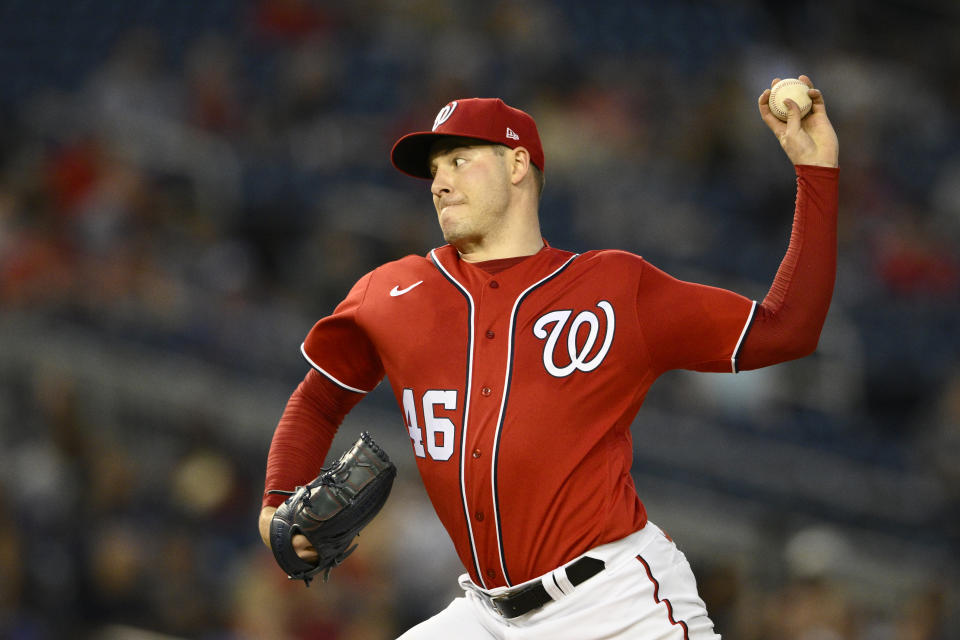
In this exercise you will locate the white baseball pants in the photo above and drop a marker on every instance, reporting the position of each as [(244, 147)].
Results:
[(646, 592)]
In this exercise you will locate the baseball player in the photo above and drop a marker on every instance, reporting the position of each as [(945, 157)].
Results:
[(519, 368)]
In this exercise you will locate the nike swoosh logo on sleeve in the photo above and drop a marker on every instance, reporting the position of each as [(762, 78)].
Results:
[(397, 291)]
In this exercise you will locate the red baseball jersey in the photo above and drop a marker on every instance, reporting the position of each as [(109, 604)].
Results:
[(519, 388)]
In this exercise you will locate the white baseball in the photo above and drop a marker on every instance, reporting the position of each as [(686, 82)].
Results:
[(791, 88)]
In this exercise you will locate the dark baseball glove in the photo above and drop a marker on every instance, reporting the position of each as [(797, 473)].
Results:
[(332, 509)]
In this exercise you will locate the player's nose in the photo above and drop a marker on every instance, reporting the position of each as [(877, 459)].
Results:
[(440, 184)]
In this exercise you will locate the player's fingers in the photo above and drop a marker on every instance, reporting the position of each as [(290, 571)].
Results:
[(303, 548), (793, 116), (816, 96), (763, 103), (773, 82), (818, 106)]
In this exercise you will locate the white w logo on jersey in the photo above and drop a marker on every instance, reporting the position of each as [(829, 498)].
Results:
[(578, 354)]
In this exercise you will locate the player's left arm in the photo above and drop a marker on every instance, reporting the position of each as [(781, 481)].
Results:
[(712, 329), (788, 322)]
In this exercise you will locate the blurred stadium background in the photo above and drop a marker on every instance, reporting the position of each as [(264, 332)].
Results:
[(185, 187)]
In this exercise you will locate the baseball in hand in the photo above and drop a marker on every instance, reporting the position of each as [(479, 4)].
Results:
[(791, 88)]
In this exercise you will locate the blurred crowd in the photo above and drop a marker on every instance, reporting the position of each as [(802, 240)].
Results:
[(205, 180)]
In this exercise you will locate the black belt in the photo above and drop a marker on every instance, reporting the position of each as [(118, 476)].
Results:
[(535, 595)]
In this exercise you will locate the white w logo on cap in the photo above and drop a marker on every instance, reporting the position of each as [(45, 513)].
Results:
[(444, 115)]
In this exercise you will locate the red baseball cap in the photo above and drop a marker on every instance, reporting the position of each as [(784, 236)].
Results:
[(487, 119)]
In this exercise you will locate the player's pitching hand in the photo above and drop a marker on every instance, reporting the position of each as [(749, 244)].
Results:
[(809, 140)]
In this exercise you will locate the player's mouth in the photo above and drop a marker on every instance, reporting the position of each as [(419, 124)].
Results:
[(444, 206)]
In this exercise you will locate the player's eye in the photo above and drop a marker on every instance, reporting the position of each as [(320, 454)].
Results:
[(458, 161)]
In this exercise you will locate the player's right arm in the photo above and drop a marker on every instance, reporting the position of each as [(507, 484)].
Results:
[(302, 440), (345, 365)]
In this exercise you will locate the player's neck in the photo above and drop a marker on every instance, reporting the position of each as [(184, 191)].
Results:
[(516, 235), (484, 256), (510, 245)]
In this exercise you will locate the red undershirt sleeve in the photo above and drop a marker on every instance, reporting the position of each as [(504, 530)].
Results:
[(303, 436), (712, 329), (787, 324)]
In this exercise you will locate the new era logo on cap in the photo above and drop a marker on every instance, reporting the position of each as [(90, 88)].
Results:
[(487, 119)]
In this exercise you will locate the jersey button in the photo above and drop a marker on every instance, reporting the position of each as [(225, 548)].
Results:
[(486, 391), (490, 334), (494, 284), (491, 574), (476, 453), (479, 515)]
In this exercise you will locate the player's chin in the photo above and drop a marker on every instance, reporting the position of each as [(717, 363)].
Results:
[(457, 235), (451, 227), (448, 216), (452, 237)]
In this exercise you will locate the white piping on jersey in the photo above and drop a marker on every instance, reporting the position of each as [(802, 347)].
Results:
[(503, 405), (743, 334), (327, 373), (466, 413)]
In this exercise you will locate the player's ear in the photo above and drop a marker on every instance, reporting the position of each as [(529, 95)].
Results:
[(519, 164)]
